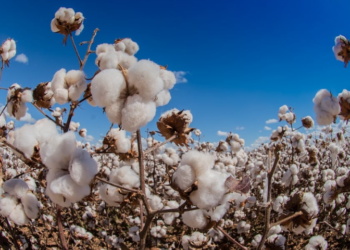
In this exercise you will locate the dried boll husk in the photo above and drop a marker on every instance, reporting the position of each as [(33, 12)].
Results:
[(43, 95)]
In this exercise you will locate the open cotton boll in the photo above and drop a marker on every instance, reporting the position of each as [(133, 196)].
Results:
[(326, 107), (16, 187), (211, 189), (125, 60), (18, 216), (69, 16), (78, 31), (184, 177), (58, 81), (61, 96), (122, 144), (54, 25), (104, 47), (30, 205), (114, 112), (27, 96), (57, 198), (125, 176), (7, 204), (168, 78), (30, 182), (25, 138), (45, 129), (195, 219), (155, 202), (74, 126), (310, 204), (131, 47), (82, 167), (144, 75), (136, 113), (218, 212), (57, 151), (337, 48), (277, 240), (119, 46), (106, 87), (66, 186), (6, 46), (316, 242), (110, 195), (199, 161), (163, 98), (109, 60), (74, 76)]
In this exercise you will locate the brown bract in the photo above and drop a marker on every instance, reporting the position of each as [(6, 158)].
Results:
[(67, 28), (109, 147), (344, 109), (175, 123), (39, 96), (345, 52), (16, 99), (87, 93)]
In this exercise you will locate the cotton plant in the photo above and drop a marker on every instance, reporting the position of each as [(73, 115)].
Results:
[(8, 50), (284, 113), (326, 107), (67, 21), (340, 49), (18, 203), (17, 99)]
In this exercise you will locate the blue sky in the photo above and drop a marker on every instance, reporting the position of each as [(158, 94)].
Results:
[(242, 60)]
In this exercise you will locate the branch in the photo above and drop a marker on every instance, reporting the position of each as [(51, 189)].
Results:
[(75, 48), (118, 186), (88, 49), (41, 111), (2, 68), (70, 115), (60, 228), (269, 193), (296, 214), (230, 238), (159, 145), (14, 236)]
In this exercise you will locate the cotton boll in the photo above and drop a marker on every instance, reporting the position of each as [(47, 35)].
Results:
[(108, 60), (106, 87), (317, 242), (18, 216), (163, 98), (6, 46), (82, 167), (45, 129), (30, 182), (25, 139), (21, 112), (338, 47), (211, 188), (78, 31), (30, 205), (7, 204), (54, 25), (69, 16), (15, 187), (119, 46), (65, 186), (194, 219), (74, 76), (125, 176), (326, 107), (168, 78), (310, 204), (58, 81), (61, 96), (144, 75), (104, 48), (184, 177), (243, 227), (114, 112), (136, 113), (155, 202), (125, 60), (27, 96), (199, 161), (131, 47), (110, 195)]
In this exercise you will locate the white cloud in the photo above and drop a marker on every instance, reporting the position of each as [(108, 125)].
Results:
[(22, 58), (180, 76), (27, 118), (89, 138), (239, 128), (267, 128), (258, 142), (222, 133), (271, 121)]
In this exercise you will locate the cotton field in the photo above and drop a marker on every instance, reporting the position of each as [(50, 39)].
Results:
[(181, 192)]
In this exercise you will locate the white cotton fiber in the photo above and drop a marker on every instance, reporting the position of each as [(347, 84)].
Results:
[(61, 96), (163, 98), (125, 60), (109, 60), (155, 202), (74, 76), (195, 219), (16, 187), (137, 113), (184, 177), (58, 81), (45, 129), (106, 87), (131, 47), (326, 107), (7, 204), (110, 195), (119, 46), (114, 112), (57, 198), (122, 144), (69, 189), (30, 182), (27, 96), (211, 188), (82, 167), (199, 161), (18, 216), (103, 48), (30, 205), (125, 176), (54, 26), (25, 138), (144, 75), (168, 78)]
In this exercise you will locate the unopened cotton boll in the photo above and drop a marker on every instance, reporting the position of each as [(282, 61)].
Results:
[(136, 113), (30, 205), (82, 167), (106, 87), (144, 75)]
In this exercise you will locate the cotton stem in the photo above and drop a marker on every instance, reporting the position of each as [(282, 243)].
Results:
[(75, 48), (230, 238), (88, 51)]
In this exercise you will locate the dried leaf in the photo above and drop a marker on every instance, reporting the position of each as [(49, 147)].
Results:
[(234, 185)]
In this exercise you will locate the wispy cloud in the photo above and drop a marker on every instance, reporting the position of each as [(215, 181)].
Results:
[(89, 138), (260, 140), (267, 128), (222, 133), (180, 76), (271, 121), (239, 128), (27, 118), (22, 58)]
